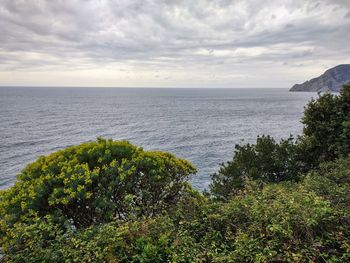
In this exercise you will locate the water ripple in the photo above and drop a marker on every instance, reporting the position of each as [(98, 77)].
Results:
[(201, 125)]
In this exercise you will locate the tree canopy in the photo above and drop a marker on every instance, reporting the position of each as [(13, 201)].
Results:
[(327, 126), (267, 161)]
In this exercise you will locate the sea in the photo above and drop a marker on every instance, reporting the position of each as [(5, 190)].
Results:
[(201, 125)]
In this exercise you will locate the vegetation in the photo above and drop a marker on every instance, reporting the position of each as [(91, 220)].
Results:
[(327, 127), (266, 162), (110, 201), (95, 183), (326, 137)]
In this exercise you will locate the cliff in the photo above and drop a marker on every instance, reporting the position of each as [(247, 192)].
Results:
[(332, 80)]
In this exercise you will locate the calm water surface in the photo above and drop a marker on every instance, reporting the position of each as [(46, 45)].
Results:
[(201, 125)]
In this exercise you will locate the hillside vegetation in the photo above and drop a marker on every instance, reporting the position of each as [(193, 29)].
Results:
[(110, 201)]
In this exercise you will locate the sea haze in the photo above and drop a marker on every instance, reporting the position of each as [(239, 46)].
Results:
[(201, 125)]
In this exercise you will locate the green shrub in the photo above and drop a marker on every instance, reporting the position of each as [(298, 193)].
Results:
[(327, 127), (97, 182), (286, 222), (326, 137), (267, 161), (331, 181), (281, 222), (157, 239)]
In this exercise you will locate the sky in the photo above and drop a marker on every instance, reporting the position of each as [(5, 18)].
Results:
[(143, 43)]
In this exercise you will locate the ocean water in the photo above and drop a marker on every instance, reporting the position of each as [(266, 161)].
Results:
[(201, 125)]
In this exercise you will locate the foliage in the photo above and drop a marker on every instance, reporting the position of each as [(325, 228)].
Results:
[(97, 182), (331, 181), (156, 239), (326, 137), (280, 222), (327, 127), (266, 161)]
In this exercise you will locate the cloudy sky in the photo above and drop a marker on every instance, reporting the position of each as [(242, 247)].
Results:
[(142, 43)]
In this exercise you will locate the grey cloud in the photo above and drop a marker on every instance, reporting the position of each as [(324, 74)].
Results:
[(166, 32)]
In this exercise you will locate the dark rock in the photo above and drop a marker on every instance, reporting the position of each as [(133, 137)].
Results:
[(332, 80)]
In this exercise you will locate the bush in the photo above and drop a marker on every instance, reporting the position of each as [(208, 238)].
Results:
[(267, 161), (158, 239), (281, 222), (331, 181), (286, 222), (326, 137), (96, 182), (327, 127)]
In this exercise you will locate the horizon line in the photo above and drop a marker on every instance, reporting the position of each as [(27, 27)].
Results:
[(134, 87)]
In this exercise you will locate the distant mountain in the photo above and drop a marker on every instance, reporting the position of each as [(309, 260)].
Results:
[(332, 80)]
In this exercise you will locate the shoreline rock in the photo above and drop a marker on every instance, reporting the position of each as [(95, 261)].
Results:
[(331, 80)]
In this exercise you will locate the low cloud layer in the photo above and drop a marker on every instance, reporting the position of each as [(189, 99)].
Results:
[(254, 43)]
